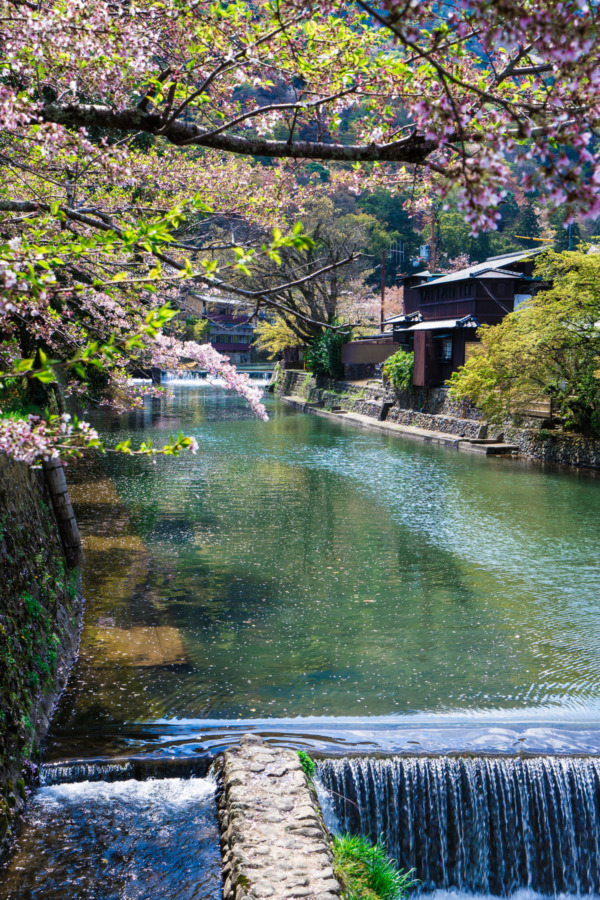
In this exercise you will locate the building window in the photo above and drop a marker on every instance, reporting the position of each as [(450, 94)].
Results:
[(446, 349)]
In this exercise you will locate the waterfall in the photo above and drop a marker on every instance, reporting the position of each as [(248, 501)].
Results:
[(258, 378), (139, 769), (59, 773), (483, 825)]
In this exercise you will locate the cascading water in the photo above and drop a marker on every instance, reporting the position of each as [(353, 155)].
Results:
[(138, 768), (257, 378), (483, 825), (84, 771), (99, 840)]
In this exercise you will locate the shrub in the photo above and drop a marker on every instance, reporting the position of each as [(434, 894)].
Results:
[(367, 872), (324, 355), (399, 368)]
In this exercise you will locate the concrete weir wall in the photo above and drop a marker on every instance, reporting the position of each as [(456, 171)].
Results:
[(273, 840)]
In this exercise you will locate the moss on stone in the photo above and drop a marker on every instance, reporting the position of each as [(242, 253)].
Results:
[(38, 596)]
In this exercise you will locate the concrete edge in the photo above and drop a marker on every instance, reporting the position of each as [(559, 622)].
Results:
[(438, 438), (356, 419)]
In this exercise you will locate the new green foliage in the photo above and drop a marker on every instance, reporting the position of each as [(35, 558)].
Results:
[(548, 347), (399, 368)]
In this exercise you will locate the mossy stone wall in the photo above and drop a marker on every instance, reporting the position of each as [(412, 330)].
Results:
[(40, 608)]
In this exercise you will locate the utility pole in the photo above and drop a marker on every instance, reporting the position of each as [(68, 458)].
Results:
[(382, 312), (432, 245)]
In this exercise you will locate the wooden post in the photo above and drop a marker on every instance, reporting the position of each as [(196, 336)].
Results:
[(433, 244), (56, 482)]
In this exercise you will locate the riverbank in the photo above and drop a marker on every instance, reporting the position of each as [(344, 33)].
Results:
[(430, 416), (40, 617)]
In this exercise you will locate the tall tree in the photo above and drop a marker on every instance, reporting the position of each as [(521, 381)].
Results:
[(119, 120), (549, 347)]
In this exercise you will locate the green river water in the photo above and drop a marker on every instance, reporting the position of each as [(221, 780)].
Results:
[(326, 587), (302, 568)]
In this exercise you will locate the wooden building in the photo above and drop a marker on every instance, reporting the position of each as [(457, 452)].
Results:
[(232, 323), (442, 312)]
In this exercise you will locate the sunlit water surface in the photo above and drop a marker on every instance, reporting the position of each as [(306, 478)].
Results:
[(301, 568), (327, 587)]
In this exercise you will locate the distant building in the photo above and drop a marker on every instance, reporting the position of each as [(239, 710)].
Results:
[(442, 312), (231, 324)]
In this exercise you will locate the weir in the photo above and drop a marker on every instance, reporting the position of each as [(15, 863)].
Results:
[(482, 825)]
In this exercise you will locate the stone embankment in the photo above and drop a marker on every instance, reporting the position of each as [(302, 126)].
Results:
[(40, 610), (432, 417), (273, 840)]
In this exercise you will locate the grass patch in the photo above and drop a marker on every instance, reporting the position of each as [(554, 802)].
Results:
[(366, 872), (307, 764)]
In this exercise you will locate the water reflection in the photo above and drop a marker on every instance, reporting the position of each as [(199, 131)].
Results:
[(302, 568)]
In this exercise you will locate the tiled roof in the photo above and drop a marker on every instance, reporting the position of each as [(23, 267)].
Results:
[(490, 268)]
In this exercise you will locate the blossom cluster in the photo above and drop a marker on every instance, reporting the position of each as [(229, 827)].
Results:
[(33, 439), (169, 353)]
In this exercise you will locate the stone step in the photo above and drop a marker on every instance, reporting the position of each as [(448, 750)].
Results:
[(487, 449)]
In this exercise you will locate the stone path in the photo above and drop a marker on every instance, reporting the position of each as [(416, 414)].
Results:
[(273, 841)]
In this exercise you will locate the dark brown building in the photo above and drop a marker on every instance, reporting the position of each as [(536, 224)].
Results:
[(442, 312)]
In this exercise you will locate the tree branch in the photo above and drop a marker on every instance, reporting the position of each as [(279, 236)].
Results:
[(413, 149)]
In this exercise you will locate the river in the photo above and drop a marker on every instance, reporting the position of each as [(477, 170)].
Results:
[(300, 568), (330, 588)]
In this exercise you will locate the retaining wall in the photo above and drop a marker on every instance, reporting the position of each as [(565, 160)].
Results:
[(40, 609), (434, 410)]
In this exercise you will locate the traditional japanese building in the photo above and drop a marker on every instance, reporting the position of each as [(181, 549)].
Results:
[(442, 312), (232, 323)]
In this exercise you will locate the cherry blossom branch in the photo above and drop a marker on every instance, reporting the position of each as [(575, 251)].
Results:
[(276, 107), (413, 149)]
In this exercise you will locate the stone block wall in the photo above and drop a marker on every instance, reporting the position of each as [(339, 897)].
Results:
[(556, 447), (40, 609)]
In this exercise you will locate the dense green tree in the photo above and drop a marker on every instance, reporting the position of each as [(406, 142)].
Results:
[(549, 347), (565, 237), (395, 224)]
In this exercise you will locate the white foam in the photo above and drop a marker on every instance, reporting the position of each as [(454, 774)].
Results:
[(174, 792)]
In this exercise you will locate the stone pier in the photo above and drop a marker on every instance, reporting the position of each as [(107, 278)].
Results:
[(273, 840)]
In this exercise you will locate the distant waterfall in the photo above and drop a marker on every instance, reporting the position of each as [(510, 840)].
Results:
[(478, 824), (258, 378)]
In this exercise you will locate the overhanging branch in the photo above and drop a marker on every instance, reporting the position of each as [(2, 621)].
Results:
[(413, 149)]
